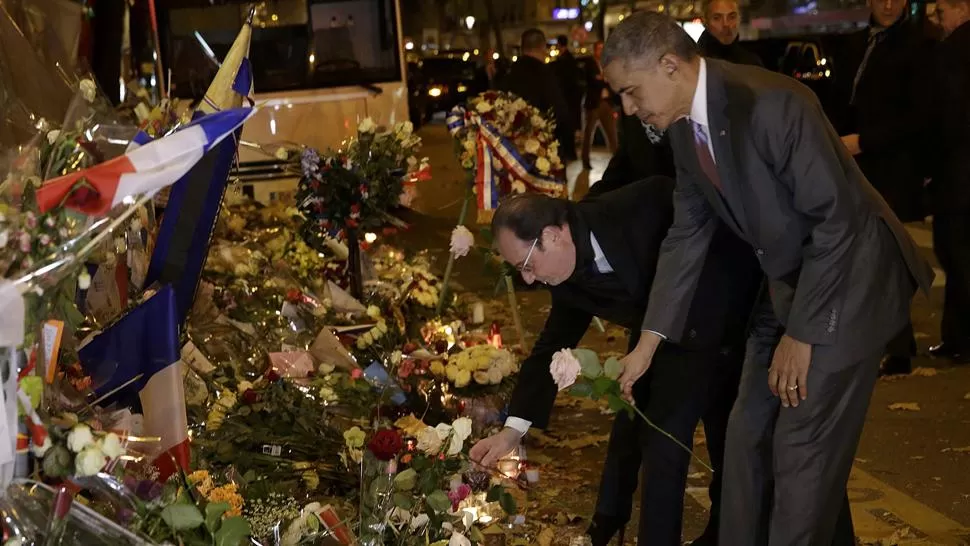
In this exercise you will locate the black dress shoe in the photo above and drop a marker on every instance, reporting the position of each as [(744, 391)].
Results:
[(950, 351), (896, 365), (602, 529)]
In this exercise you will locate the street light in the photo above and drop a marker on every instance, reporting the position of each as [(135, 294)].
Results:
[(470, 22)]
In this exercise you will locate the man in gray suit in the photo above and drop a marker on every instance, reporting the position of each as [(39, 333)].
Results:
[(754, 149)]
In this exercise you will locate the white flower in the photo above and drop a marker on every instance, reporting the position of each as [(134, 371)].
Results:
[(543, 165), (89, 462), (89, 90), (326, 368), (458, 539), (244, 386), (4, 238), (532, 146), (461, 430), (428, 441), (419, 521), (405, 128), (52, 136), (462, 241), (79, 438), (518, 186), (367, 126), (40, 450), (282, 154), (111, 446), (483, 107)]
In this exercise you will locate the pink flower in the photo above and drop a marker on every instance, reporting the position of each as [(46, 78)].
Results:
[(459, 494), (564, 369), (461, 241), (30, 220), (405, 369), (25, 242), (357, 373)]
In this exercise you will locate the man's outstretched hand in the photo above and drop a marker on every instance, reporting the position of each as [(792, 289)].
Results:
[(638, 362), (488, 451)]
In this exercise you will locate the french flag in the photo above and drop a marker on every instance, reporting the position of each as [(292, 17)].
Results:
[(138, 361), (143, 169)]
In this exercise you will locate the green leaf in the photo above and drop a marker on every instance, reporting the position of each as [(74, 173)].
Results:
[(406, 480), (507, 502), (602, 386), (584, 390), (589, 363), (439, 502), (494, 494), (475, 535), (182, 517), (213, 514), (403, 501), (612, 368), (617, 404), (428, 482), (244, 411), (232, 531)]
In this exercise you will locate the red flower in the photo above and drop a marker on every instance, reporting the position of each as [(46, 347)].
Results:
[(294, 296), (405, 369), (351, 223), (355, 208), (357, 373), (409, 348), (250, 397), (385, 445), (272, 375), (389, 231)]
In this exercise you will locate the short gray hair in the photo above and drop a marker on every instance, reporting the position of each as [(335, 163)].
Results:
[(645, 37)]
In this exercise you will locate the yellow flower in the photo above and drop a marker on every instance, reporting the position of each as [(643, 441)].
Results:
[(463, 378), (532, 146), (227, 494), (354, 437), (543, 165), (201, 480), (437, 368)]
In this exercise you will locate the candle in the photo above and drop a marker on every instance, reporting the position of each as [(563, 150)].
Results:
[(478, 313), (532, 475), (509, 468)]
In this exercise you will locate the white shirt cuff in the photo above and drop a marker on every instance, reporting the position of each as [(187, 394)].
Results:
[(518, 424), (658, 334)]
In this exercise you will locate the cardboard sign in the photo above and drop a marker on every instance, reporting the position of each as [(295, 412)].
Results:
[(51, 333)]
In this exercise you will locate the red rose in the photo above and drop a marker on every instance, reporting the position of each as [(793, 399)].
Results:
[(351, 223), (409, 348), (294, 296), (272, 375), (385, 445), (250, 397)]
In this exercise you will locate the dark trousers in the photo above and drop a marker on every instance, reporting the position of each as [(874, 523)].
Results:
[(786, 469), (680, 388), (951, 232), (904, 344)]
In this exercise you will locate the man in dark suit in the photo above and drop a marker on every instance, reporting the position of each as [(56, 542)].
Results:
[(535, 81), (884, 116), (720, 37), (951, 182), (598, 258), (754, 150), (598, 106), (570, 77)]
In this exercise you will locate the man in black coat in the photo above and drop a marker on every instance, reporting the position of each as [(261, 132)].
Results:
[(535, 81), (569, 76), (951, 181), (885, 119), (598, 258), (598, 107), (720, 37)]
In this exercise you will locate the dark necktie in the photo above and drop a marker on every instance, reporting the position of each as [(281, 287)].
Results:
[(704, 156)]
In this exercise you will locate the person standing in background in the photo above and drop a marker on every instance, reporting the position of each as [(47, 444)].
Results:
[(535, 81), (951, 182), (720, 40), (598, 106), (569, 75), (885, 121)]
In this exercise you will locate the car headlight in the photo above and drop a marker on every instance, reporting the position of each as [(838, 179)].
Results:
[(462, 88), (434, 92)]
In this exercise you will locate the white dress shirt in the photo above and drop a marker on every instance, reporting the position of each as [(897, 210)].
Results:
[(602, 266)]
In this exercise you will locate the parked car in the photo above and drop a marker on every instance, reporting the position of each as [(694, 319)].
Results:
[(448, 80)]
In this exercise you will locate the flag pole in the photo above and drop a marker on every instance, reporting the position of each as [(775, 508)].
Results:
[(158, 50)]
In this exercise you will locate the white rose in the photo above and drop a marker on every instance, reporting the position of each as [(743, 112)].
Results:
[(532, 146), (367, 126), (405, 128), (495, 375), (483, 107), (40, 450), (373, 312), (419, 521), (244, 386), (396, 357), (412, 163), (83, 280), (462, 241), (461, 430), (428, 441), (458, 539), (543, 165), (79, 438), (111, 446), (52, 136), (89, 90), (89, 462)]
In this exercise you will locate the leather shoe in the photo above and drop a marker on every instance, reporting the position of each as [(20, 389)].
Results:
[(896, 365), (950, 351), (602, 529)]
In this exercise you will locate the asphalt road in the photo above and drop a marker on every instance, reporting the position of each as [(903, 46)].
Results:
[(910, 484)]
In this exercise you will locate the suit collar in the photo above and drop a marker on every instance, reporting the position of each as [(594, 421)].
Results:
[(612, 241), (698, 107)]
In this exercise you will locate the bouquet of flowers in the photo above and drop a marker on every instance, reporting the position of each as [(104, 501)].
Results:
[(507, 146), (485, 364)]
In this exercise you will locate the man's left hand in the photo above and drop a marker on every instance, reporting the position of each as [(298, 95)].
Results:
[(851, 143), (788, 376)]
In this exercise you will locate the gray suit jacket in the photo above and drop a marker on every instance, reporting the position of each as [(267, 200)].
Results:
[(840, 265)]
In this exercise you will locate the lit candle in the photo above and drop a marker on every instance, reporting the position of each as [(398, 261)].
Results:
[(478, 313), (532, 475), (509, 468)]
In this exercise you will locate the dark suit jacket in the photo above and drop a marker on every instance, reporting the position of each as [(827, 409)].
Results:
[(595, 84), (951, 178), (636, 158), (892, 113), (570, 78), (629, 224), (840, 265), (536, 82), (712, 48)]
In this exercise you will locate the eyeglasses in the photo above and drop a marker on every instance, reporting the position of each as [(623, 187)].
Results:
[(525, 263)]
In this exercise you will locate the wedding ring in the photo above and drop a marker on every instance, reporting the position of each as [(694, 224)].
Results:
[(795, 388)]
